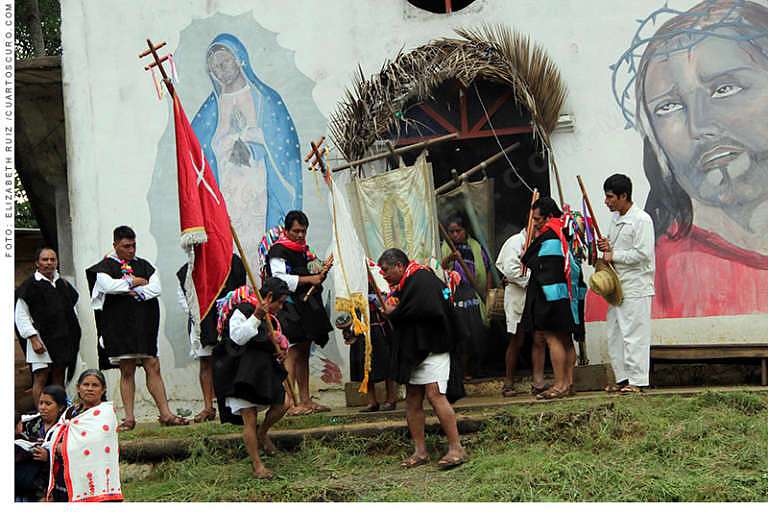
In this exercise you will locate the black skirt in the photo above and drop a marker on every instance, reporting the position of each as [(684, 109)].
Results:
[(380, 356), (474, 342), (249, 372)]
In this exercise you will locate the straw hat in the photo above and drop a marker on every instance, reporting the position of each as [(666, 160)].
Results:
[(605, 282)]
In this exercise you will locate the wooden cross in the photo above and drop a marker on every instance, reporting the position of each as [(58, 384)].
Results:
[(158, 62), (316, 153)]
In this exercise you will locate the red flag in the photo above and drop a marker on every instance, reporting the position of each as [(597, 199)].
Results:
[(205, 228)]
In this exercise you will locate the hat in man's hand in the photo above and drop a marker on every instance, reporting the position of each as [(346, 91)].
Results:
[(605, 282)]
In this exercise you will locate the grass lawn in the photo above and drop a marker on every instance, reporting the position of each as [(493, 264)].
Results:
[(711, 447)]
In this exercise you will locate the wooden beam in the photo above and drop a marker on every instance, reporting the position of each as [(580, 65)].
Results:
[(398, 151), (482, 165)]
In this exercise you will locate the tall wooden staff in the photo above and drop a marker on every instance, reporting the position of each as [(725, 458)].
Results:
[(589, 206), (158, 62), (529, 226)]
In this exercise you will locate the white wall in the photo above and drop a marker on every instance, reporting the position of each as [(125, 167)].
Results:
[(115, 123)]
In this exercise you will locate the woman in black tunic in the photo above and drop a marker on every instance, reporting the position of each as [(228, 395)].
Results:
[(548, 298), (47, 324), (247, 375)]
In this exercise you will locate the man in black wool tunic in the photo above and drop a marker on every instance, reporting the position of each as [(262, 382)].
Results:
[(203, 342), (304, 321), (247, 372), (124, 291), (46, 323), (425, 334)]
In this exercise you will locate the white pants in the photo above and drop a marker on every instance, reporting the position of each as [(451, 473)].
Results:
[(629, 340), (435, 368)]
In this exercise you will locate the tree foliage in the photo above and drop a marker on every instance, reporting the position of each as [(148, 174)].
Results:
[(50, 21)]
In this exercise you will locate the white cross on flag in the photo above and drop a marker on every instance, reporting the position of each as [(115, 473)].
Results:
[(205, 229)]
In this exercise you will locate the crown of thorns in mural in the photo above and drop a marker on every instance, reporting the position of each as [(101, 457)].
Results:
[(682, 31)]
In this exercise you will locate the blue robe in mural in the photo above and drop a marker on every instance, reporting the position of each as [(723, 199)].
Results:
[(265, 136)]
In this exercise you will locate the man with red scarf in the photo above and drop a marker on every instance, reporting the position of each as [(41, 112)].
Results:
[(553, 290), (304, 321), (425, 334)]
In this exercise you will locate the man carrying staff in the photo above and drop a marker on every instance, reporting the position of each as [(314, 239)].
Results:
[(630, 248), (304, 318), (422, 341), (124, 291), (248, 376), (208, 337)]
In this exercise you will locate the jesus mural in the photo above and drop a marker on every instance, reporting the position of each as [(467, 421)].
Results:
[(700, 91)]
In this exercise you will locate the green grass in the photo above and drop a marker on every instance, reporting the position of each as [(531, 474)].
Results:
[(712, 447)]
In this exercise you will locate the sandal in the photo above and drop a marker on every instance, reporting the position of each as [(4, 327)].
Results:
[(508, 391), (451, 462), (388, 406), (299, 410), (615, 388), (414, 461), (535, 390), (126, 425), (552, 394), (173, 421), (370, 408), (319, 408), (629, 389), (205, 415)]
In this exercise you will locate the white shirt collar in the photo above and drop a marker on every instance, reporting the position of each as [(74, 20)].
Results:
[(40, 277)]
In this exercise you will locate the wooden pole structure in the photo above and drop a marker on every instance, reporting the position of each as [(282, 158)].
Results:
[(557, 179), (318, 151), (589, 206), (482, 165), (462, 263), (172, 91), (397, 151)]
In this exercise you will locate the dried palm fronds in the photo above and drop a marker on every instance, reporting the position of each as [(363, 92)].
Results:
[(373, 107)]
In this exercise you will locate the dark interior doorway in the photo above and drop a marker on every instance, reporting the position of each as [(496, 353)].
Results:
[(466, 111)]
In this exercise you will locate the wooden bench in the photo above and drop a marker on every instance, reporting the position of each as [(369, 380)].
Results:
[(713, 352)]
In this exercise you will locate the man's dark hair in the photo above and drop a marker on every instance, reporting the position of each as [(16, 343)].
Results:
[(618, 184), (40, 250), (455, 219), (296, 216), (547, 207), (122, 233), (393, 256), (276, 286)]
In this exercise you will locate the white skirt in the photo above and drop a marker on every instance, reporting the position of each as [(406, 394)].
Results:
[(435, 368), (238, 404)]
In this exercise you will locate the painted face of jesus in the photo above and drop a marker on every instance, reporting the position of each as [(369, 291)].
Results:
[(224, 66), (707, 109)]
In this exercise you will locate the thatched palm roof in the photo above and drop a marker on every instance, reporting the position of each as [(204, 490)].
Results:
[(374, 107)]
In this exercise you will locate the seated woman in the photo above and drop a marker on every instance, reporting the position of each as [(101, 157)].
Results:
[(247, 371), (32, 459), (469, 305), (83, 445)]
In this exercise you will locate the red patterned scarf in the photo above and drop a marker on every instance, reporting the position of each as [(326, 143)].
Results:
[(296, 246)]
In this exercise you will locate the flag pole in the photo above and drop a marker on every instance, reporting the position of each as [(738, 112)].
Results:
[(158, 62)]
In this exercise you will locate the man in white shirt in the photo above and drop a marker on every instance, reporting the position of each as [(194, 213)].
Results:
[(124, 291), (630, 248)]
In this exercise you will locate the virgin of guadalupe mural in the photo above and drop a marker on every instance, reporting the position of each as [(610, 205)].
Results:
[(250, 141), (701, 106)]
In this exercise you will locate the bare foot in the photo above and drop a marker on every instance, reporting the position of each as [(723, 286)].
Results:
[(262, 473), (267, 445)]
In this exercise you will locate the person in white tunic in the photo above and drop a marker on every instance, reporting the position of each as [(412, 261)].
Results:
[(630, 247)]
